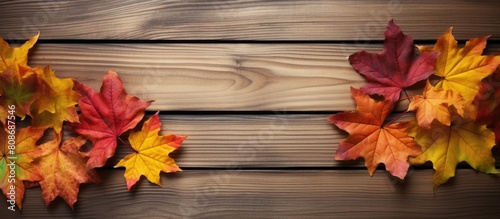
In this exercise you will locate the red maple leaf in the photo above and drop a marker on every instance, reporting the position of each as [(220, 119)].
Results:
[(105, 116), (487, 101), (394, 69)]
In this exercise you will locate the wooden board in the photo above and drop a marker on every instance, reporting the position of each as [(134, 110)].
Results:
[(358, 20), (255, 141), (221, 77), (226, 73), (276, 194)]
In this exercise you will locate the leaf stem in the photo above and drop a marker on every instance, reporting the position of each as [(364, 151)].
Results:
[(404, 98), (407, 96), (395, 119), (125, 143)]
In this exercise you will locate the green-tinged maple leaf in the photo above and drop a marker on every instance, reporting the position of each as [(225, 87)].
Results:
[(373, 140), (462, 69), (63, 169), (17, 90), (106, 115), (446, 146), (151, 153), (57, 104), (18, 161)]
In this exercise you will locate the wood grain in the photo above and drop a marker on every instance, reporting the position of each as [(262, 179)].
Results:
[(222, 77), (276, 194), (215, 76), (357, 20), (255, 141)]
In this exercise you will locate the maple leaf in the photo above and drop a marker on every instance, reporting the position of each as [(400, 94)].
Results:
[(106, 115), (57, 104), (17, 90), (462, 69), (446, 146), (18, 56), (487, 102), (63, 169), (371, 139), (151, 154), (392, 70), (435, 104), (15, 164)]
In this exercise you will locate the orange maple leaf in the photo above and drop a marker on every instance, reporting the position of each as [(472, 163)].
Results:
[(63, 169), (446, 146), (435, 104), (373, 140), (151, 154), (462, 69)]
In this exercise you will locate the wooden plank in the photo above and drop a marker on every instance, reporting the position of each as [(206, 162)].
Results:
[(242, 141), (358, 20), (215, 76), (276, 194), (224, 77), (254, 141)]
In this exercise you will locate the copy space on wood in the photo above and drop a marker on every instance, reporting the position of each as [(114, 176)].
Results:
[(280, 193), (360, 21)]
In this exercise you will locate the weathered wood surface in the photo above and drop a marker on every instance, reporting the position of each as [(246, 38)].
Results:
[(222, 77), (262, 141), (248, 164), (233, 193), (358, 20), (279, 140)]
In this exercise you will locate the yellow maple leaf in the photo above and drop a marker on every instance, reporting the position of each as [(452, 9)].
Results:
[(15, 55), (462, 69), (58, 102), (151, 154), (435, 104), (446, 146)]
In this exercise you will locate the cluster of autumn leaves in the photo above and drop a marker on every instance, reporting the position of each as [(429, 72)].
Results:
[(456, 118), (50, 102)]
